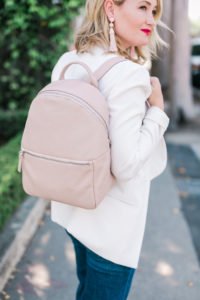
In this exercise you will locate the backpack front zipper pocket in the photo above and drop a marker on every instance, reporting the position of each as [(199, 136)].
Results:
[(48, 157), (60, 179)]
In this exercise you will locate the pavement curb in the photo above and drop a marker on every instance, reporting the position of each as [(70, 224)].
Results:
[(18, 233)]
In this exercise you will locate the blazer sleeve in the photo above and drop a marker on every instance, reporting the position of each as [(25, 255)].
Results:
[(135, 131)]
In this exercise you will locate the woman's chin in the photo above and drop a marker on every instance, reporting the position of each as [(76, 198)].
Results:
[(144, 43)]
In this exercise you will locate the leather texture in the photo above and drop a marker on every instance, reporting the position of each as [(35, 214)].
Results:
[(65, 148)]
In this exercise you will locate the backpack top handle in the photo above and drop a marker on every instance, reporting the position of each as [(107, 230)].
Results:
[(92, 78), (99, 73)]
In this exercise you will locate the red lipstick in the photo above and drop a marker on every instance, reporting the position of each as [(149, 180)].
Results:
[(147, 31)]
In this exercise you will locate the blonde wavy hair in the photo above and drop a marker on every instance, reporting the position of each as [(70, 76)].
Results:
[(94, 30)]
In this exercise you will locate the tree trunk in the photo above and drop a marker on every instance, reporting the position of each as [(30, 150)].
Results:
[(161, 67), (180, 81)]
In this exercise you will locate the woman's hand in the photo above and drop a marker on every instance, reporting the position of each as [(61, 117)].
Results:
[(156, 97)]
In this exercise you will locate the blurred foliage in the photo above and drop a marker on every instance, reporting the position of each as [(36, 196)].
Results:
[(11, 192), (11, 122), (34, 34)]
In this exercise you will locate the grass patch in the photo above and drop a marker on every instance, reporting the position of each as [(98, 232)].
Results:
[(11, 191)]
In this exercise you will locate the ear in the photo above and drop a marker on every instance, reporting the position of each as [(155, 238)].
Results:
[(109, 9)]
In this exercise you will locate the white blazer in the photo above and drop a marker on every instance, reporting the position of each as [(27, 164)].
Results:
[(115, 229)]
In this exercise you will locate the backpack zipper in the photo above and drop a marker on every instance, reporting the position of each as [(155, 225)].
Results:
[(48, 157), (79, 100)]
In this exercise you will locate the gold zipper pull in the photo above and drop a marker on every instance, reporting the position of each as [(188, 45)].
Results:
[(20, 161)]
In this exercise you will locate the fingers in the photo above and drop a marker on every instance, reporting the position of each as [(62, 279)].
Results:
[(155, 82)]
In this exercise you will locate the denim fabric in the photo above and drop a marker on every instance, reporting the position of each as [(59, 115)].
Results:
[(99, 278)]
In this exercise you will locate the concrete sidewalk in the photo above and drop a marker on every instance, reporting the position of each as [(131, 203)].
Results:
[(168, 267)]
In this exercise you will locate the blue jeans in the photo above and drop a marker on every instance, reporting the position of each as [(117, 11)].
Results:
[(99, 278)]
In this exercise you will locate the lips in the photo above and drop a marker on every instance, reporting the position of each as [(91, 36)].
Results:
[(147, 31)]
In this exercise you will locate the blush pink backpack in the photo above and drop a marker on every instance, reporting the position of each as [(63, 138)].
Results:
[(65, 146)]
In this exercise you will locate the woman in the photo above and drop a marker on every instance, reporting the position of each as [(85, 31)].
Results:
[(108, 240)]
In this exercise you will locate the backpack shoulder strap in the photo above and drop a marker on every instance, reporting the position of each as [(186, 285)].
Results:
[(106, 66)]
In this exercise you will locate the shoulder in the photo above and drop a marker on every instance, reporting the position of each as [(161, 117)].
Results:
[(61, 62), (66, 56), (129, 75), (128, 69)]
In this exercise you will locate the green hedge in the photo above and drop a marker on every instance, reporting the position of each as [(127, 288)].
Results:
[(34, 34), (11, 192), (11, 122)]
